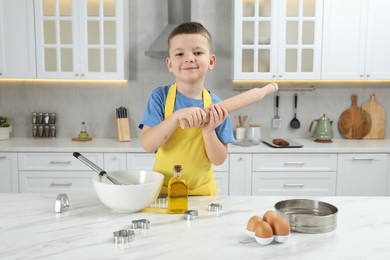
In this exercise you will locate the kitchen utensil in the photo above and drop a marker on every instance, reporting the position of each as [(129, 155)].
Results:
[(292, 144), (95, 168), (295, 124), (62, 202), (354, 123), (323, 131), (190, 214), (124, 236), (241, 100), (141, 189), (378, 118), (308, 216), (277, 121)]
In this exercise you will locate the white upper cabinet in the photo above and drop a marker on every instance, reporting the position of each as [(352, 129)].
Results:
[(17, 45), (81, 39), (277, 39), (356, 39)]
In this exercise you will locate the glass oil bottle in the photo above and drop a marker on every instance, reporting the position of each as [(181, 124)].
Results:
[(177, 192)]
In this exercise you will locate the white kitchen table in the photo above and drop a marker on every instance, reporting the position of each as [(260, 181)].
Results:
[(30, 229)]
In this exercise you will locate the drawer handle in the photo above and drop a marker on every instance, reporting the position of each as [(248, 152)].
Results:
[(61, 184), (60, 162), (294, 163), (294, 185), (362, 159), (3, 157)]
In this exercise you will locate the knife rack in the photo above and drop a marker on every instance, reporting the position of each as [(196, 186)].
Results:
[(123, 129)]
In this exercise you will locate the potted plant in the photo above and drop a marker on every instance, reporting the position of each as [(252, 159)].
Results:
[(5, 127)]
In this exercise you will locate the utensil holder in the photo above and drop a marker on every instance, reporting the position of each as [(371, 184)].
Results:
[(123, 129)]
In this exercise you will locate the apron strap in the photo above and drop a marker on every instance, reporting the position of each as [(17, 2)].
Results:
[(171, 97)]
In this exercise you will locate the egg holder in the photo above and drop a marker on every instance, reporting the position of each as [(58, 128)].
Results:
[(269, 217)]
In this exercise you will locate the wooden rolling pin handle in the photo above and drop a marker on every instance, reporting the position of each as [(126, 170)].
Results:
[(239, 101)]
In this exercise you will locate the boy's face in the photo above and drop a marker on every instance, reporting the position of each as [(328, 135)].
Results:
[(190, 58)]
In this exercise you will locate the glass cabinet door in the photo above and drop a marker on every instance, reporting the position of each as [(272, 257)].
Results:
[(300, 42), (255, 39), (80, 39), (102, 40), (277, 39), (57, 43)]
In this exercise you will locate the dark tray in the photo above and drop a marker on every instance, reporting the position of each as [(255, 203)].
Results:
[(293, 144)]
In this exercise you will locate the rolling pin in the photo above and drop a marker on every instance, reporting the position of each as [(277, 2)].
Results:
[(239, 101)]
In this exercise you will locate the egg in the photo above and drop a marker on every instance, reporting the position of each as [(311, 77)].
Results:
[(263, 233), (250, 227), (270, 215), (281, 229)]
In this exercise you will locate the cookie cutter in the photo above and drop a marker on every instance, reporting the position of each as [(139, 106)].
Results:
[(215, 207), (190, 214), (140, 224), (124, 236), (62, 201)]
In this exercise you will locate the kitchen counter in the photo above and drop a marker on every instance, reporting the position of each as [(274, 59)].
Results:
[(112, 145), (30, 229)]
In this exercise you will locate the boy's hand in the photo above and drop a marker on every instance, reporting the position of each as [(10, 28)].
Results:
[(217, 116), (194, 116)]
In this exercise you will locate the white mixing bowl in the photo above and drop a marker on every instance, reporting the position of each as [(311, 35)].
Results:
[(141, 189)]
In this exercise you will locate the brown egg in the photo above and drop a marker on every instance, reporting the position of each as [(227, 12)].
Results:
[(280, 226), (270, 215), (252, 223), (263, 230)]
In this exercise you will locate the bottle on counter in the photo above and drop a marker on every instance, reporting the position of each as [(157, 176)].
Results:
[(177, 192), (83, 132)]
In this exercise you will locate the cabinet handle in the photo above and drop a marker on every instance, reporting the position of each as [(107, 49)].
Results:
[(362, 159), (61, 184), (114, 158), (294, 163), (60, 162), (76, 75), (3, 157), (274, 76), (361, 76), (294, 185), (368, 75)]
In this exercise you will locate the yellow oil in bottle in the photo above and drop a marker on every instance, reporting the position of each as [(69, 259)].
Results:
[(177, 192)]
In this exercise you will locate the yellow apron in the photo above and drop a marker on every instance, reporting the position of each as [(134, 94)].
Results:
[(186, 147)]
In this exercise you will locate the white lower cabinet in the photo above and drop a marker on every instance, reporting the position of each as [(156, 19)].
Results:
[(140, 161), (56, 172), (294, 174), (9, 172), (115, 161), (221, 174), (240, 174), (362, 174)]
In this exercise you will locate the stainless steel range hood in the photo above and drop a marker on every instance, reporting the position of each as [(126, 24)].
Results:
[(179, 11)]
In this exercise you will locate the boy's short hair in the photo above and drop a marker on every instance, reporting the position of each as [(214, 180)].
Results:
[(190, 28)]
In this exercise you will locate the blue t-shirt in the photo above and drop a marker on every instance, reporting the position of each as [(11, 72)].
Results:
[(154, 113)]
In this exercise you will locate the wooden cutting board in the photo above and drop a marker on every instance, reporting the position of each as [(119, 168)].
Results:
[(354, 123), (378, 118)]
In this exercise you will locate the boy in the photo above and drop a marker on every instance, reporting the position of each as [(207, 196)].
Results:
[(202, 144)]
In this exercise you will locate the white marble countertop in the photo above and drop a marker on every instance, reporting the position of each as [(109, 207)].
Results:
[(30, 229), (112, 145)]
